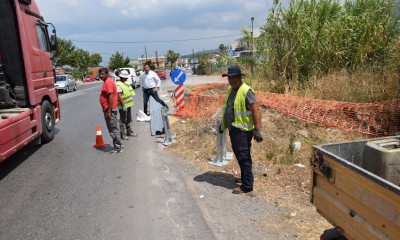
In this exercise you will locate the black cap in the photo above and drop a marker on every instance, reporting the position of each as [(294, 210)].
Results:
[(233, 71)]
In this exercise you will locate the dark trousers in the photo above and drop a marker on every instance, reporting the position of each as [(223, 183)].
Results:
[(125, 119), (113, 129), (146, 95), (241, 144)]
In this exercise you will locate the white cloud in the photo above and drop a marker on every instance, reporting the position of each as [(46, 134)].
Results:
[(230, 17), (150, 21), (139, 8), (67, 2), (111, 3)]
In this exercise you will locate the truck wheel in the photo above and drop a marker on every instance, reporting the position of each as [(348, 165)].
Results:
[(47, 122)]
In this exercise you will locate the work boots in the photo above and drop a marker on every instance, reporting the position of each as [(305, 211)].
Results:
[(131, 133)]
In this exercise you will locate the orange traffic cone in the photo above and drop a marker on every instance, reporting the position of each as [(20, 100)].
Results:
[(99, 139)]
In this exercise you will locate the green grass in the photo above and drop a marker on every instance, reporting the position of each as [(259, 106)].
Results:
[(288, 160)]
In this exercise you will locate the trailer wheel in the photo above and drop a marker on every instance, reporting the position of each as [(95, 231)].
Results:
[(47, 122)]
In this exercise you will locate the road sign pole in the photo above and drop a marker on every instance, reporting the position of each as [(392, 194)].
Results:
[(179, 94), (178, 77)]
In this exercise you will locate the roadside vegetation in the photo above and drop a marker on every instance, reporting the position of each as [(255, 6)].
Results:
[(75, 60), (345, 51)]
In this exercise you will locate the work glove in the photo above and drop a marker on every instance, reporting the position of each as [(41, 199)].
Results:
[(257, 135), (124, 108)]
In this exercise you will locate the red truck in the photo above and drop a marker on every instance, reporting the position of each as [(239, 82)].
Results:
[(29, 105)]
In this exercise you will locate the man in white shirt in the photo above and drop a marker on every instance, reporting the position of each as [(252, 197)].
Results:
[(116, 74), (150, 85)]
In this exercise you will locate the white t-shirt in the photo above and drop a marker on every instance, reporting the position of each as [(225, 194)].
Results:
[(119, 89), (150, 80)]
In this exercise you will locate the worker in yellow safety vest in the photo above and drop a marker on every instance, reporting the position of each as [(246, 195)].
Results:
[(242, 117), (125, 103)]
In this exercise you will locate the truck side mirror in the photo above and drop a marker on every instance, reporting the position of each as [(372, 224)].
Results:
[(53, 43)]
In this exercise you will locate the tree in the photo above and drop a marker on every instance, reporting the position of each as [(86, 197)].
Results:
[(117, 61), (95, 60), (204, 65), (151, 64), (83, 61), (172, 56), (222, 48), (65, 56)]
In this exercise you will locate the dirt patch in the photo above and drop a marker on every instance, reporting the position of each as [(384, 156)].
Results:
[(277, 179)]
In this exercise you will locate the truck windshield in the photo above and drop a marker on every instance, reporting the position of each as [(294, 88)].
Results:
[(61, 78)]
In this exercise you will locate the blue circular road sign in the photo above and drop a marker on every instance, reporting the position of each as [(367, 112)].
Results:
[(178, 76), (231, 52)]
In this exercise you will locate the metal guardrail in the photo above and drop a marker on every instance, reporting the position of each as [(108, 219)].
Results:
[(156, 120), (169, 136), (221, 149), (159, 122)]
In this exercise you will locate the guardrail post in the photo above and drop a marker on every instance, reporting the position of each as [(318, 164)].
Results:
[(169, 136), (221, 148), (226, 155)]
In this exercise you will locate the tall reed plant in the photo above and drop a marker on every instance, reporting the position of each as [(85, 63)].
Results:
[(312, 38)]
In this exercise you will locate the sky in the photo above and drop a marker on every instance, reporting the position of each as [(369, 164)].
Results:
[(154, 25)]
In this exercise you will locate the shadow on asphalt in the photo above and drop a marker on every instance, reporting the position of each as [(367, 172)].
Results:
[(11, 163), (107, 148), (220, 179)]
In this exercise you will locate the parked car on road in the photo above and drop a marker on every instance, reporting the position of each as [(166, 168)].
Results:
[(161, 74), (134, 79), (89, 78), (65, 82)]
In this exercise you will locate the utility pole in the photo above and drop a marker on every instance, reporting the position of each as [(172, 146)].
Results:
[(145, 51), (157, 60), (192, 58), (252, 45)]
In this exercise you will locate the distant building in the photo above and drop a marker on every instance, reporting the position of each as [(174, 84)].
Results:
[(134, 63), (94, 70), (159, 59), (183, 62), (59, 71), (242, 46)]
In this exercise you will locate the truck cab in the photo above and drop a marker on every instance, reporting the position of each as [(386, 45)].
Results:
[(29, 106)]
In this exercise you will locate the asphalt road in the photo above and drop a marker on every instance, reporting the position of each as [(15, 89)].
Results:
[(67, 189)]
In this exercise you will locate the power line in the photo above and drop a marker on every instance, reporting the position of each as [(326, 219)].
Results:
[(161, 41), (135, 54)]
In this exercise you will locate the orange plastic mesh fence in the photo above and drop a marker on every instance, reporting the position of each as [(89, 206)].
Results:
[(222, 82), (379, 119)]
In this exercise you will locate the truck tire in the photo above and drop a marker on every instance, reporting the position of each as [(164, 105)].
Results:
[(47, 122)]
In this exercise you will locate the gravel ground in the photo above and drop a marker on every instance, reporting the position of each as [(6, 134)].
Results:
[(231, 216)]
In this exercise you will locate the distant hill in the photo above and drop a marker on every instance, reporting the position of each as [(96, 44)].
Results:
[(196, 54)]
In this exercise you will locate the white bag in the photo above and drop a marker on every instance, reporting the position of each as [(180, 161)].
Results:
[(142, 117)]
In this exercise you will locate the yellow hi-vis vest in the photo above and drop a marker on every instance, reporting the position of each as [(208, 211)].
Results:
[(243, 118), (127, 94)]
